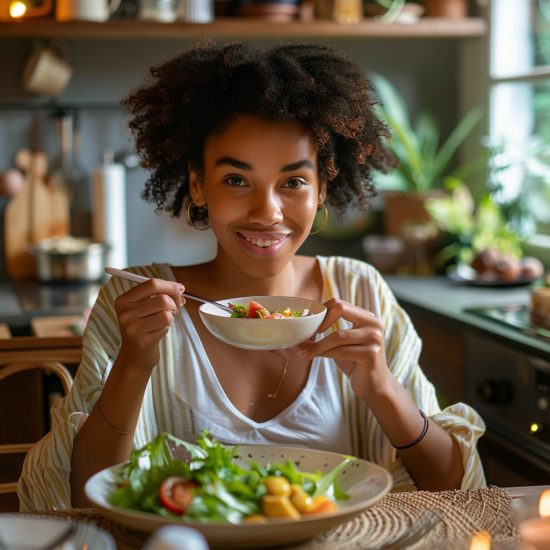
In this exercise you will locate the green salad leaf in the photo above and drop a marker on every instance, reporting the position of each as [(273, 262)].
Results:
[(226, 492), (239, 310)]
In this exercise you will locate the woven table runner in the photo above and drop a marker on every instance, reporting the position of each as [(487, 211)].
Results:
[(465, 514)]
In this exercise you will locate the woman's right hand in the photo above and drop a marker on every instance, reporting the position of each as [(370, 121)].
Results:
[(145, 314)]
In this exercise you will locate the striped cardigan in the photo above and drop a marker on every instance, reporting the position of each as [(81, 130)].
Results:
[(44, 483)]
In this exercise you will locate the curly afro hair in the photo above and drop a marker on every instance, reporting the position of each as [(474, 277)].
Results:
[(199, 92)]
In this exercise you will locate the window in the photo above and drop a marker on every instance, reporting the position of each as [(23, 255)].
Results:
[(520, 103)]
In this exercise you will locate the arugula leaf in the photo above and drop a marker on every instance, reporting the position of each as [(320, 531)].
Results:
[(323, 484)]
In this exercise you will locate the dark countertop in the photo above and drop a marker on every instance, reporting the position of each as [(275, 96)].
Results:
[(442, 301), (20, 301)]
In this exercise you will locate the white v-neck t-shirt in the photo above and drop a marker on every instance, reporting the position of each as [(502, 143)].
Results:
[(314, 420)]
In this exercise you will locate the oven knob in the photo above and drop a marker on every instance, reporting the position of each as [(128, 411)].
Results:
[(495, 392)]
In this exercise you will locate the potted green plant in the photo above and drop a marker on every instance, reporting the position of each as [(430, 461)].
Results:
[(387, 12), (423, 162), (527, 205), (472, 226)]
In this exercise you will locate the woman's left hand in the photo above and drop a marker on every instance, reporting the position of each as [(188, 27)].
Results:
[(358, 351)]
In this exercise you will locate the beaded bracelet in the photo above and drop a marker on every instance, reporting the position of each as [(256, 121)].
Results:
[(424, 431)]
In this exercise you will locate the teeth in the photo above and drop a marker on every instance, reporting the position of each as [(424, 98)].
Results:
[(261, 242)]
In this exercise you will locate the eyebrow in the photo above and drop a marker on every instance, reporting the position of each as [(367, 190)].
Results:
[(305, 163), (233, 162)]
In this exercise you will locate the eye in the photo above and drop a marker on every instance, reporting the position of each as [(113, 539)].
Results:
[(294, 183), (235, 181)]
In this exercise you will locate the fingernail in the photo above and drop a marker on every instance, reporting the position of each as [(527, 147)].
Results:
[(178, 287), (302, 354)]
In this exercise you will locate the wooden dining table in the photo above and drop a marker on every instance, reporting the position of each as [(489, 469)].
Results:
[(465, 513)]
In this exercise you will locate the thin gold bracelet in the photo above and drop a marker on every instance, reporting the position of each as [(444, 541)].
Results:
[(116, 429)]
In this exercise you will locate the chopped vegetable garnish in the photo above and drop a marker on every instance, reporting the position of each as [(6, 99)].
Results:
[(239, 310), (257, 311)]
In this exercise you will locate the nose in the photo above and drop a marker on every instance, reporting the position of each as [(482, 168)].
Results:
[(265, 209)]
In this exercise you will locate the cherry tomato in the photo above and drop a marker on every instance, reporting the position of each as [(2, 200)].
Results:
[(253, 307), (175, 495)]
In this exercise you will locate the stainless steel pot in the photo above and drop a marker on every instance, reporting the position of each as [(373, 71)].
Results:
[(82, 261)]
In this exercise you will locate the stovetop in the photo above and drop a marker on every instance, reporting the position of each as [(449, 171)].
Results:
[(514, 316)]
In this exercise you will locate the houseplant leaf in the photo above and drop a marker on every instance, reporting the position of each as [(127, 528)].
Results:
[(393, 103), (458, 135)]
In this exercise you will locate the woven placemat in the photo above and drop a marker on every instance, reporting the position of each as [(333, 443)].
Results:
[(465, 514)]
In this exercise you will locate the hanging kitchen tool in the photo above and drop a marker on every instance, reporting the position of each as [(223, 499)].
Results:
[(64, 176), (128, 157), (28, 217), (81, 217)]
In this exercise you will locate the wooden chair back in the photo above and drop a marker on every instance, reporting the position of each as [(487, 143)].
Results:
[(8, 370)]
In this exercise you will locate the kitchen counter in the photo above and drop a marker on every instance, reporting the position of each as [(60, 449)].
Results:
[(436, 299), (442, 301), (20, 301), (498, 370)]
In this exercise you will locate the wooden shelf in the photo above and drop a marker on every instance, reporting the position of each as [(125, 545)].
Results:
[(429, 27)]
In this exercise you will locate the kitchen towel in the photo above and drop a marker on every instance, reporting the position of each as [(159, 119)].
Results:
[(109, 212)]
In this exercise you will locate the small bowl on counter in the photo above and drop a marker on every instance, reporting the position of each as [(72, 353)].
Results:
[(69, 259)]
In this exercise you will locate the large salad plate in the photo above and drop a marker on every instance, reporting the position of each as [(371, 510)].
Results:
[(365, 482)]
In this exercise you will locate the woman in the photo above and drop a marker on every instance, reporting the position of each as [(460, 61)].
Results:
[(252, 142)]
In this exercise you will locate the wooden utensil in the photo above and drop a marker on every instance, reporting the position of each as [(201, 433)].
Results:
[(59, 181), (27, 218), (60, 208)]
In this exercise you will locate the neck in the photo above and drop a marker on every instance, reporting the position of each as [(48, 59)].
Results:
[(230, 280)]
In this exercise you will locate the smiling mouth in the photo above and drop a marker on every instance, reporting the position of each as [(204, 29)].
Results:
[(264, 243)]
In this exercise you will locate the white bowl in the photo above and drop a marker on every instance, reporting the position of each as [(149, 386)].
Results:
[(365, 482), (264, 334)]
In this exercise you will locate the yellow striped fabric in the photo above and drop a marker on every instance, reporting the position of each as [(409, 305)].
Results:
[(44, 483)]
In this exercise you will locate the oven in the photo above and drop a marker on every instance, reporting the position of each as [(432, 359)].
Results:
[(511, 391)]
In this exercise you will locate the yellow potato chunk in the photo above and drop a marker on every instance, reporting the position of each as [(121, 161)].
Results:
[(287, 313), (323, 505), (301, 500), (277, 485), (255, 518), (278, 506)]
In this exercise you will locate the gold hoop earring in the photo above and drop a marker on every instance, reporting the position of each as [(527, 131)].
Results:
[(326, 219), (191, 221)]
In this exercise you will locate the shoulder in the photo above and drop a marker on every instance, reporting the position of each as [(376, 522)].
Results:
[(358, 283), (342, 270)]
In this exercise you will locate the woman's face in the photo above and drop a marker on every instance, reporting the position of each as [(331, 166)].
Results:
[(261, 184)]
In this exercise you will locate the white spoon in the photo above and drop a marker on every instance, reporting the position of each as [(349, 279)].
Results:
[(140, 279)]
